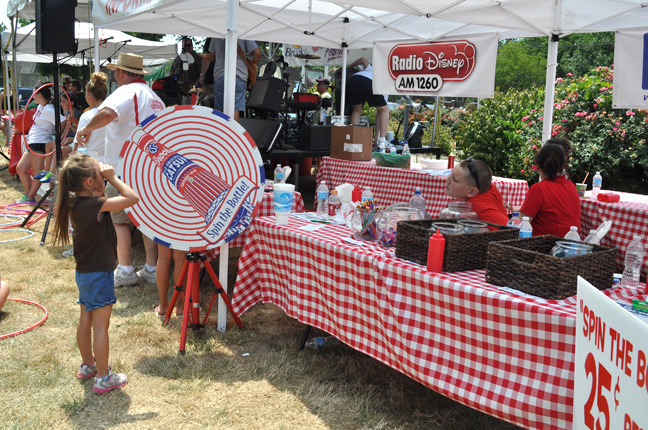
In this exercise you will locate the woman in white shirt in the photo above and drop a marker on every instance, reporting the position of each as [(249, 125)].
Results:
[(40, 133), (95, 94)]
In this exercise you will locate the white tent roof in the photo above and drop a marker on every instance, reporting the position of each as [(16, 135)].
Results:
[(153, 52), (547, 17), (307, 22)]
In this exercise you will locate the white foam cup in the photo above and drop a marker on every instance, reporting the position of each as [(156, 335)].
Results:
[(284, 195), (390, 136)]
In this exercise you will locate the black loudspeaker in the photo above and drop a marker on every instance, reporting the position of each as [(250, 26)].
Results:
[(55, 26), (315, 137), (263, 131), (267, 93)]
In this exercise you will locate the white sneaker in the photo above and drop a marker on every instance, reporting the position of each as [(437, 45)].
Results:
[(147, 276), (115, 380), (122, 279)]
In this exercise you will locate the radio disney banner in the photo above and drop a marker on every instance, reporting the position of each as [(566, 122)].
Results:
[(458, 68), (631, 69), (611, 369)]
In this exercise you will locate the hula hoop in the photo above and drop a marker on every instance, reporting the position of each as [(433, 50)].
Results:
[(31, 233), (25, 330), (12, 223), (55, 113)]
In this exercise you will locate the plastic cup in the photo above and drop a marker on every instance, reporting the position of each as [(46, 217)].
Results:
[(284, 195), (581, 189)]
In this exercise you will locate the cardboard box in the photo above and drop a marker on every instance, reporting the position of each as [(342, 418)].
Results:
[(351, 143)]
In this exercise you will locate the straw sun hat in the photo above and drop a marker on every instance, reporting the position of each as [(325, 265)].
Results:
[(130, 62)]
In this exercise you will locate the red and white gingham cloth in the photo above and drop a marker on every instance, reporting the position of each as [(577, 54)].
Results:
[(390, 185), (265, 208), (508, 355), (629, 216)]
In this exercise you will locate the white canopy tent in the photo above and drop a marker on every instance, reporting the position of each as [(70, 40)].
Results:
[(359, 23), (115, 42)]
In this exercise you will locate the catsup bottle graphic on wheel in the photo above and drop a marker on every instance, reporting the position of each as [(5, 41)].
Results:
[(224, 207)]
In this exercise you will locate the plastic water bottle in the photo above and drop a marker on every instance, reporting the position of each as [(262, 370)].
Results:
[(592, 238), (572, 234), (392, 149), (406, 150), (597, 184), (321, 342), (278, 175), (418, 202), (526, 230), (322, 199), (515, 220), (367, 195), (633, 261), (334, 203), (381, 146)]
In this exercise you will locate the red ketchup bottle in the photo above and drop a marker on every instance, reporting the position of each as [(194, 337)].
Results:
[(435, 253), (356, 194)]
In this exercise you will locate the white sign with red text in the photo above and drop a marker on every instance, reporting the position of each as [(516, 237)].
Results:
[(457, 67), (611, 370)]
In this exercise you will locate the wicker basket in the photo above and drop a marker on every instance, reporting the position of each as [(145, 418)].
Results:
[(462, 251), (526, 265)]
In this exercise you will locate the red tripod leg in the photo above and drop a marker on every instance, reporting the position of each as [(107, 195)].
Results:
[(223, 294), (194, 272), (177, 290), (189, 294)]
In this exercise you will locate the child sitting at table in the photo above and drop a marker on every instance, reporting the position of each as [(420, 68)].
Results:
[(470, 181)]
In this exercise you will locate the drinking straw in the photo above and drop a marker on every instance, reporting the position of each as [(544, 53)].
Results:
[(585, 178)]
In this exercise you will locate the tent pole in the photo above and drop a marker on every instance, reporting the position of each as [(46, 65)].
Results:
[(95, 56), (231, 40), (345, 52), (550, 87)]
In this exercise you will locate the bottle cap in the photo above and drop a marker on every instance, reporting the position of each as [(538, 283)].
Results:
[(525, 218), (334, 192), (437, 235)]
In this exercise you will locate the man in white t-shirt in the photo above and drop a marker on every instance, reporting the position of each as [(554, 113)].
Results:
[(120, 114)]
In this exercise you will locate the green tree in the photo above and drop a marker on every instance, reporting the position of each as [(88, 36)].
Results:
[(521, 63), (580, 53)]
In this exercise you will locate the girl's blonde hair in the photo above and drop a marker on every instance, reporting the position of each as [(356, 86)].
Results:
[(97, 86), (71, 178)]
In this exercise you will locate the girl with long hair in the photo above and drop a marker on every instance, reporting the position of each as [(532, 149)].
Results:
[(81, 200)]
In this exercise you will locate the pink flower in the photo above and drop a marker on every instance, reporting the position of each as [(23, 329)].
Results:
[(630, 113), (541, 118), (526, 118), (559, 79), (534, 147), (614, 129), (522, 171), (535, 168), (564, 120), (617, 123), (594, 105), (570, 74), (603, 89)]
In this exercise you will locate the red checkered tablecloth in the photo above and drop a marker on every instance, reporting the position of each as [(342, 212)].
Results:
[(506, 354), (265, 208), (390, 185), (629, 216)]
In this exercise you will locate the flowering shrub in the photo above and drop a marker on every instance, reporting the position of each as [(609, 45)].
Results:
[(505, 130)]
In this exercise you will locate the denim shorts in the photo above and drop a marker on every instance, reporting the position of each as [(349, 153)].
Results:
[(96, 289), (239, 95)]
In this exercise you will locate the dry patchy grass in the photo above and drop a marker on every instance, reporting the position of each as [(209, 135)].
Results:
[(272, 386)]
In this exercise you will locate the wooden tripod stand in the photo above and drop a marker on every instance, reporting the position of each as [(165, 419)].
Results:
[(191, 313)]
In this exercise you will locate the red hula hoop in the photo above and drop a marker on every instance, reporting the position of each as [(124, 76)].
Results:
[(16, 333)]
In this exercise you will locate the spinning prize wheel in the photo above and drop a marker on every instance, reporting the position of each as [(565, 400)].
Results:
[(199, 176)]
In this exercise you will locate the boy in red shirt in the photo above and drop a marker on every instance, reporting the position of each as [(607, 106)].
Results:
[(470, 181)]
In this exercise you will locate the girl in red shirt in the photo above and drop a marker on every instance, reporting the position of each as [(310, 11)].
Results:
[(552, 204)]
